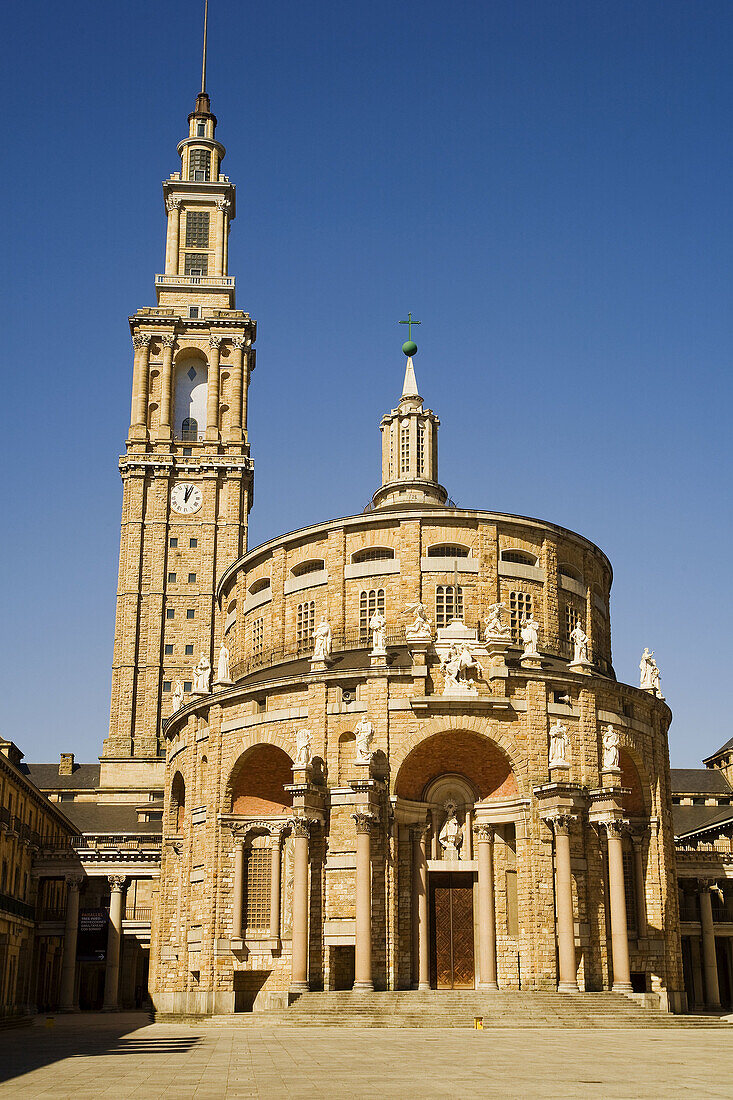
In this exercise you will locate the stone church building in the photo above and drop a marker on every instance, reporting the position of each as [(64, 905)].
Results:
[(385, 752)]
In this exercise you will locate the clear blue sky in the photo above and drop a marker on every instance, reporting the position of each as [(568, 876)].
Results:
[(547, 186)]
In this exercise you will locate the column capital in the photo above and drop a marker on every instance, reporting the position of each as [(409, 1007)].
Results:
[(421, 830), (301, 826), (141, 340), (215, 341), (74, 881), (239, 342), (116, 882), (172, 204), (484, 832), (562, 824), (617, 827), (223, 204), (168, 340), (364, 821)]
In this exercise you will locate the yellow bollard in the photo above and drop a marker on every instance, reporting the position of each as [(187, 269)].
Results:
[(478, 1023)]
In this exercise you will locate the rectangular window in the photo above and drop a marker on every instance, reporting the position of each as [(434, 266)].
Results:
[(258, 632), (201, 129), (173, 543), (192, 578), (405, 449), (170, 613), (187, 685), (189, 651), (194, 312), (187, 452), (257, 903), (420, 450), (570, 620), (630, 891), (448, 604), (369, 602), (168, 650), (166, 685), (306, 622), (190, 614), (196, 263), (197, 229), (520, 608), (199, 164), (193, 543), (171, 578)]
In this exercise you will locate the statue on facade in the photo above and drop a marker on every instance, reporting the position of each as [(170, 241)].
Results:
[(451, 835), (559, 746), (419, 629), (460, 669), (650, 675), (496, 629), (530, 632), (323, 637), (364, 732), (611, 743), (378, 627), (223, 674), (303, 742), (580, 639), (202, 676), (177, 697)]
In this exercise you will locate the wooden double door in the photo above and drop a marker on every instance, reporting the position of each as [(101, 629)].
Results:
[(451, 927)]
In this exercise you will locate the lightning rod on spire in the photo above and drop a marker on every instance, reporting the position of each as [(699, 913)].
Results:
[(203, 63)]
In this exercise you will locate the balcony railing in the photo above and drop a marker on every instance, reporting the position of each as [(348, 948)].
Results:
[(139, 912), (342, 642), (136, 842), (195, 280), (15, 907), (46, 913), (723, 911)]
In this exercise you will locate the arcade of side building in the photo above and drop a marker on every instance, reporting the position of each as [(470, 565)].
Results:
[(220, 870)]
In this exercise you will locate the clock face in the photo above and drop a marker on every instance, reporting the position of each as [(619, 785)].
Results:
[(186, 498)]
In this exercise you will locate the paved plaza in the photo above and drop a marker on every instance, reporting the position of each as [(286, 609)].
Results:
[(126, 1056)]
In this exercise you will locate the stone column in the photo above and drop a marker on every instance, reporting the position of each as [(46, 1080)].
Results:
[(617, 904), (235, 404), (434, 830), (486, 907), (710, 962), (225, 240), (221, 228), (238, 902), (212, 393), (414, 907), (114, 943), (274, 843), (420, 895), (468, 852), (567, 976), (637, 839), (166, 386), (299, 973), (139, 412), (173, 206), (67, 996), (363, 967)]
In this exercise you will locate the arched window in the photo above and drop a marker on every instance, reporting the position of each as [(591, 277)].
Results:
[(520, 608), (518, 557), (259, 585), (315, 565), (191, 381), (373, 553), (570, 571), (178, 802), (202, 778), (448, 604), (369, 602), (448, 550)]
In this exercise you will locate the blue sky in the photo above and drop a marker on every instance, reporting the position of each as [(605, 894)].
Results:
[(545, 185)]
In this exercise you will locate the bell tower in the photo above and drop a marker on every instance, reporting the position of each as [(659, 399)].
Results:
[(187, 475)]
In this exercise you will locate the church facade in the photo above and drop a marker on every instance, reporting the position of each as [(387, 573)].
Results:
[(391, 748)]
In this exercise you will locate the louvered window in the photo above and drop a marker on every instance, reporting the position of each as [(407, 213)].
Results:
[(257, 901), (197, 229)]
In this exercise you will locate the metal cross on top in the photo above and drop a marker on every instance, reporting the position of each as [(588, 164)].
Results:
[(409, 322)]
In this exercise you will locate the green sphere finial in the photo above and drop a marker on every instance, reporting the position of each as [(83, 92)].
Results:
[(409, 347)]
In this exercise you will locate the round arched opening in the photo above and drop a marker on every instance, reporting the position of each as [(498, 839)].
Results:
[(178, 802), (458, 752), (634, 802), (256, 785)]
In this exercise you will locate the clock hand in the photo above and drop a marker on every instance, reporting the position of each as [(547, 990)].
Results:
[(187, 494)]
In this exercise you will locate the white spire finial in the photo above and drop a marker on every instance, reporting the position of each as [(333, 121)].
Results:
[(409, 388)]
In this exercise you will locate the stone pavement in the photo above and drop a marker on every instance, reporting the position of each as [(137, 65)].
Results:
[(125, 1056)]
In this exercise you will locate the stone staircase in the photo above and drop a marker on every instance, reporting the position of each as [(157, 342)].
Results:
[(447, 1008)]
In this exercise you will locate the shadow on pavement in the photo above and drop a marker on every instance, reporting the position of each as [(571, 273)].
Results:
[(84, 1035)]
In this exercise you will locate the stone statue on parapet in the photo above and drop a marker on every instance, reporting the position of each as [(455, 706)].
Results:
[(611, 742), (364, 731), (580, 640), (650, 675), (303, 742), (378, 627), (323, 637), (496, 629), (530, 632), (419, 629), (559, 746), (177, 697), (202, 676)]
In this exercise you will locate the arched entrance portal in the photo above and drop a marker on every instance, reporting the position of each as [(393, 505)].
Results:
[(445, 787)]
